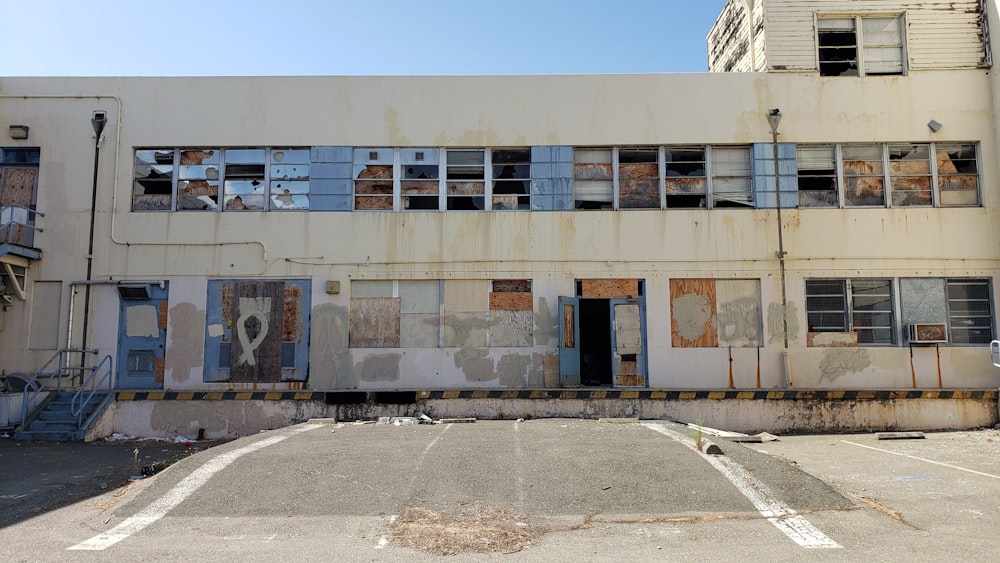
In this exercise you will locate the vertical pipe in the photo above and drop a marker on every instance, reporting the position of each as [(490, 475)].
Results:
[(758, 367), (98, 121), (913, 371), (732, 384), (938, 348)]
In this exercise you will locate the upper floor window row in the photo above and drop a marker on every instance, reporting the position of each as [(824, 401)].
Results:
[(897, 175), (243, 179), (860, 45)]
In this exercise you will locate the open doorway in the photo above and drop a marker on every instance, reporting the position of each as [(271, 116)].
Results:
[(595, 336)]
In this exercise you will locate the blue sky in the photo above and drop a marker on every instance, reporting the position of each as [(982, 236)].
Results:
[(352, 37)]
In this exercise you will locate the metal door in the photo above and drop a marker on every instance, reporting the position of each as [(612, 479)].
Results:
[(142, 336), (569, 341)]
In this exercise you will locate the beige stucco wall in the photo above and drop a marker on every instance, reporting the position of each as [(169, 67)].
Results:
[(552, 248)]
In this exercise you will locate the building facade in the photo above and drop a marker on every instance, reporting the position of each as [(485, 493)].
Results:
[(508, 232)]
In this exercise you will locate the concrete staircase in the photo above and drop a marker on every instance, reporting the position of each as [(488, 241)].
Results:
[(57, 423)]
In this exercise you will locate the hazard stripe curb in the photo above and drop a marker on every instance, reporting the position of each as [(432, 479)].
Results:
[(353, 397)]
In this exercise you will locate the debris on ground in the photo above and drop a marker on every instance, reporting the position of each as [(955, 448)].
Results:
[(455, 420), (474, 529)]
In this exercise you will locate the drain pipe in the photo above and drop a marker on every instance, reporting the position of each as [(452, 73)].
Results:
[(98, 121), (773, 119)]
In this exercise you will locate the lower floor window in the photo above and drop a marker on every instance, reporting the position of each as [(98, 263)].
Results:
[(863, 306)]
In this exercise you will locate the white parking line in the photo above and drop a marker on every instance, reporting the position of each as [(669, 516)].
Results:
[(161, 506), (925, 460), (796, 527)]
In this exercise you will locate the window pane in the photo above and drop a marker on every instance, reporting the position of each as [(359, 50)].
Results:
[(910, 172), (826, 305), (958, 174), (864, 183), (731, 177), (592, 175), (970, 311), (838, 51)]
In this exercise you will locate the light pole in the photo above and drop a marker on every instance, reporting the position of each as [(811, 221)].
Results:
[(774, 118), (98, 121)]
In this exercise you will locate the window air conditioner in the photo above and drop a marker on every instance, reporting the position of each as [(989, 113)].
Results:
[(927, 333)]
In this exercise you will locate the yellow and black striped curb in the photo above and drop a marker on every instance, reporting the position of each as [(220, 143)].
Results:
[(402, 397)]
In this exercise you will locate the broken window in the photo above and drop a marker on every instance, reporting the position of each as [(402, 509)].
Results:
[(420, 186), (289, 187), (638, 178), (373, 179), (153, 180), (864, 180), (958, 174), (511, 179), (686, 182), (863, 306), (593, 181), (731, 185), (910, 175), (198, 180), (466, 180), (817, 168), (880, 51), (970, 307), (245, 185)]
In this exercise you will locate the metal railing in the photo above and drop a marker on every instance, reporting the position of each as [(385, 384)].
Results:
[(42, 380), (91, 385), (21, 216)]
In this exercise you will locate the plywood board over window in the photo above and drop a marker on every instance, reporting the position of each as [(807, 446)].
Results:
[(511, 317), (692, 313), (609, 289), (258, 313), (374, 322), (466, 322)]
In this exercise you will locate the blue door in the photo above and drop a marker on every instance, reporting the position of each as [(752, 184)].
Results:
[(142, 337), (569, 341)]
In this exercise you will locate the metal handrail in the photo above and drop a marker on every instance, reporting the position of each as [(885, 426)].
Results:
[(95, 381), (41, 380), (995, 352), (8, 212)]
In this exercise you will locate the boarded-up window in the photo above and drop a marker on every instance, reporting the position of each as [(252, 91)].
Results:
[(709, 313), (257, 331), (373, 179), (638, 178), (593, 186), (395, 314), (511, 179), (686, 182), (510, 315), (731, 185), (958, 174), (817, 166), (910, 175)]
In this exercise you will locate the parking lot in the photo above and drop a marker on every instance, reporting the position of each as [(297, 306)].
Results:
[(552, 489)]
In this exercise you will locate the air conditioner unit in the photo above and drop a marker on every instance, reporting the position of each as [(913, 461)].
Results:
[(927, 333)]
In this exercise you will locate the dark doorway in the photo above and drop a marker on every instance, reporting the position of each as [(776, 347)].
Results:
[(595, 342)]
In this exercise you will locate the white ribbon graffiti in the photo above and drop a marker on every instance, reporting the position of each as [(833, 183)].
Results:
[(258, 308)]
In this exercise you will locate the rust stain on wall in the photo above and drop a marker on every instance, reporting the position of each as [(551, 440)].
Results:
[(330, 363), (685, 185), (837, 362), (187, 342), (292, 321), (379, 367), (599, 171)]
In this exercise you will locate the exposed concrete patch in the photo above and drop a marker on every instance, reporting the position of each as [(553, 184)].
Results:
[(186, 353), (142, 320), (379, 367), (546, 323), (512, 370), (837, 362), (476, 364), (692, 313), (774, 326), (330, 363), (536, 371)]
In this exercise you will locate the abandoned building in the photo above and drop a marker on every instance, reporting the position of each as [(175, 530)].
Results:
[(819, 212)]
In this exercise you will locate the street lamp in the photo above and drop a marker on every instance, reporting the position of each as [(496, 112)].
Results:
[(773, 119)]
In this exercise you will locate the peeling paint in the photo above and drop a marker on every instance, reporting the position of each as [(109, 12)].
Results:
[(330, 363), (774, 322), (837, 362), (187, 343), (476, 364), (692, 313), (379, 367), (512, 370), (546, 323)]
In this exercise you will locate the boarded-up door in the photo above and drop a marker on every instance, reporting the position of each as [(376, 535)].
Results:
[(628, 342), (142, 334), (569, 343)]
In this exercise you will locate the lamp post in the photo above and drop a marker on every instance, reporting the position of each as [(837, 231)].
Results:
[(98, 121), (773, 119)]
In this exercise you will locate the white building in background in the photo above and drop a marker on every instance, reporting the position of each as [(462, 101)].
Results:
[(510, 232)]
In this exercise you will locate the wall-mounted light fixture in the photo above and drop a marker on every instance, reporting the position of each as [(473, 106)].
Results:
[(19, 131), (934, 126)]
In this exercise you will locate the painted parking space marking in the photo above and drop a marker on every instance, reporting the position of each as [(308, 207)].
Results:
[(161, 506), (793, 525), (942, 464)]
